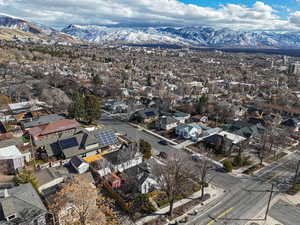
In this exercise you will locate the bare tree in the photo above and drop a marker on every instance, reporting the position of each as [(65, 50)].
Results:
[(173, 175), (262, 150), (203, 168), (79, 203)]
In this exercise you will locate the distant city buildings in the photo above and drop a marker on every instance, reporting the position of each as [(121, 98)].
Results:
[(294, 68)]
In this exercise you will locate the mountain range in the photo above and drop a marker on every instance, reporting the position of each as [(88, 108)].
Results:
[(181, 35), (12, 26)]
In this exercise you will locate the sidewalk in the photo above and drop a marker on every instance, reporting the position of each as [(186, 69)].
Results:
[(212, 190)]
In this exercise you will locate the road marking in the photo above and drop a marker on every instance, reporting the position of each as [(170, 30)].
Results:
[(219, 216)]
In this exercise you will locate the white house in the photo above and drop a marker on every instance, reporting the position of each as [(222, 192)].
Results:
[(79, 165), (11, 159), (187, 131), (146, 184)]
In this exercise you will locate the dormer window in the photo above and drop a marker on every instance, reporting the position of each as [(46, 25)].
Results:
[(9, 218)]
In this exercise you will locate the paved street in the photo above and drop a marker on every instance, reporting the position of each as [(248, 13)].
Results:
[(285, 213), (246, 195), (135, 134)]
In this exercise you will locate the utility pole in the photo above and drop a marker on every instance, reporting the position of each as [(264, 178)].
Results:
[(297, 171), (270, 198)]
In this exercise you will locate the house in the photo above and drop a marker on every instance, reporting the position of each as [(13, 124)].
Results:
[(140, 175), (116, 106), (11, 159), (245, 129), (188, 131), (52, 129), (223, 141), (42, 120), (292, 124), (84, 143), (166, 123), (79, 165), (50, 177), (22, 205), (27, 110), (147, 115), (181, 116), (126, 157)]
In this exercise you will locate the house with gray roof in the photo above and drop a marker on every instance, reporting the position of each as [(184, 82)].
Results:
[(42, 120), (84, 143), (21, 205)]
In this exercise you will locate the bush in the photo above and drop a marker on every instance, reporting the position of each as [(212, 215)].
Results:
[(228, 165), (197, 187), (295, 188)]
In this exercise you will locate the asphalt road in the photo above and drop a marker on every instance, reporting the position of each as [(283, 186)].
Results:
[(245, 196), (135, 134), (285, 213)]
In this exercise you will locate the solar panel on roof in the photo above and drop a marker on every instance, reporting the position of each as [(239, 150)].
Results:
[(106, 138), (68, 143)]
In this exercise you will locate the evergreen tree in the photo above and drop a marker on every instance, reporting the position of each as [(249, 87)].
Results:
[(145, 149), (92, 108), (77, 108)]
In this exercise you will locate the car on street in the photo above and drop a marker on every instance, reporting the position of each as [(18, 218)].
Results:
[(163, 142)]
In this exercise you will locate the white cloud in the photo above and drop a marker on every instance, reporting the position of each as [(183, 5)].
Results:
[(58, 12)]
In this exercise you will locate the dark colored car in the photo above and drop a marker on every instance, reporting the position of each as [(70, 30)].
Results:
[(163, 155), (163, 142)]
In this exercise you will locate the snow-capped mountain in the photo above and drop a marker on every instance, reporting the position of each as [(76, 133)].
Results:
[(18, 24), (189, 36), (183, 36)]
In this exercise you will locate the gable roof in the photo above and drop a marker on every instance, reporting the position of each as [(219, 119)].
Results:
[(72, 145), (60, 125), (245, 129), (43, 120), (24, 202), (125, 153)]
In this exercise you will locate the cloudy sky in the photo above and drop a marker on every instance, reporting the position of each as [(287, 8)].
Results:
[(278, 15)]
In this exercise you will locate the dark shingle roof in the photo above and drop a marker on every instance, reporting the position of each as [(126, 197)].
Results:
[(126, 153), (43, 120)]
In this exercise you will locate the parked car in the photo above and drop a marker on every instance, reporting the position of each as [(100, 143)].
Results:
[(163, 142), (163, 155)]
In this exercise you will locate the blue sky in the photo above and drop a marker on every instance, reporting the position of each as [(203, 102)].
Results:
[(278, 5), (267, 15)]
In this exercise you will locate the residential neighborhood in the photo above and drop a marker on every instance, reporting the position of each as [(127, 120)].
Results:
[(147, 133)]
